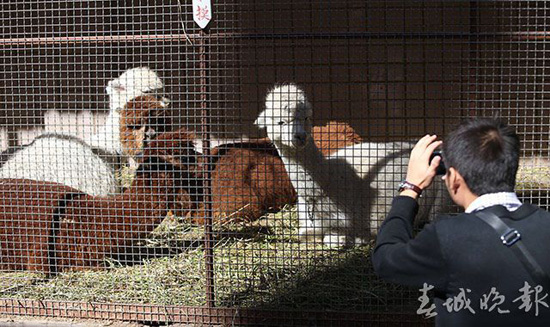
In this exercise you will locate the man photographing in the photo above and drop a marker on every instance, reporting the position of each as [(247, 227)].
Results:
[(489, 265)]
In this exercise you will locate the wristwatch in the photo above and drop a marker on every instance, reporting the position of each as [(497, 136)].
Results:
[(404, 185)]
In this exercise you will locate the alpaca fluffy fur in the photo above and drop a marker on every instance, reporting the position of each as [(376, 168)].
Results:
[(50, 227), (249, 178), (132, 83), (65, 160), (333, 136), (341, 198), (26, 222), (70, 161), (140, 121)]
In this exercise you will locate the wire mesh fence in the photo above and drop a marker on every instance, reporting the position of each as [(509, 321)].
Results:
[(138, 182)]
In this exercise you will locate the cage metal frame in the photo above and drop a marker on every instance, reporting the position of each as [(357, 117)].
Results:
[(211, 314)]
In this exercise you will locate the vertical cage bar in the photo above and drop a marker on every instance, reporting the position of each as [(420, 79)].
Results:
[(205, 131), (391, 68), (474, 38)]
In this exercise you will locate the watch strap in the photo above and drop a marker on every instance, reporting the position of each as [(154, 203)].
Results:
[(404, 185)]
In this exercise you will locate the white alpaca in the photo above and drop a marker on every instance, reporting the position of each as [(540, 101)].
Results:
[(129, 85), (89, 166), (342, 198), (66, 160), (70, 161)]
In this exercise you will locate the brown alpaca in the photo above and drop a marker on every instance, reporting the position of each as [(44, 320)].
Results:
[(26, 222), (249, 178), (334, 136), (140, 120), (49, 227)]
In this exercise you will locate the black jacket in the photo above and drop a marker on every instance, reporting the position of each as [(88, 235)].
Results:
[(463, 252)]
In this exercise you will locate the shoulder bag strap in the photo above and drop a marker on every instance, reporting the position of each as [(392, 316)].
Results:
[(511, 238)]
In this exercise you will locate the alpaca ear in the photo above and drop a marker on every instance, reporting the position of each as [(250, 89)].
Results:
[(261, 121), (115, 86)]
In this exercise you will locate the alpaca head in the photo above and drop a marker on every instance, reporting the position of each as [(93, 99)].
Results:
[(130, 84), (140, 121), (175, 149), (286, 116)]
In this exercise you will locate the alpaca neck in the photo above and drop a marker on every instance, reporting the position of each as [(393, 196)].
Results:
[(157, 186), (108, 135), (119, 100), (144, 206), (309, 153), (305, 163)]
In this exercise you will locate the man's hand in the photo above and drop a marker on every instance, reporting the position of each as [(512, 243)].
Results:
[(420, 172)]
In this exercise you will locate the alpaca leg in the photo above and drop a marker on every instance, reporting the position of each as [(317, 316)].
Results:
[(308, 229), (344, 233), (304, 220), (335, 240)]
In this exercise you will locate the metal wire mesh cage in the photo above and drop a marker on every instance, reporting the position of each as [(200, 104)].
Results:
[(138, 182)]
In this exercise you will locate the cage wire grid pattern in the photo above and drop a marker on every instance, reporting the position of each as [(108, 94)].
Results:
[(159, 199)]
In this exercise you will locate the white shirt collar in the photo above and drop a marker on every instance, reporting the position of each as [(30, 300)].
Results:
[(507, 199)]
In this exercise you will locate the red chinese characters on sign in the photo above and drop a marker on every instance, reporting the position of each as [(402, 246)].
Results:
[(202, 12)]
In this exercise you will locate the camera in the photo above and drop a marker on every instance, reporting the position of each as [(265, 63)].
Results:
[(441, 169)]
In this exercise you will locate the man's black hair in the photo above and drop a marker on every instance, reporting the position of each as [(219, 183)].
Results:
[(486, 153)]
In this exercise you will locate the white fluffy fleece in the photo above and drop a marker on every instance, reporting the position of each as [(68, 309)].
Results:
[(88, 166), (132, 83), (343, 198), (66, 160)]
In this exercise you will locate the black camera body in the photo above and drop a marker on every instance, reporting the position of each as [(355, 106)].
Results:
[(441, 169)]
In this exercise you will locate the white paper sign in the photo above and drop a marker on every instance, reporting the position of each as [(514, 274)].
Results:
[(202, 12)]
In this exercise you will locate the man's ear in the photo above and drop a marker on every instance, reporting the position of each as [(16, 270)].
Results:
[(261, 121), (454, 179)]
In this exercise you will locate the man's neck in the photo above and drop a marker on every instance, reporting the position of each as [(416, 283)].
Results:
[(468, 200)]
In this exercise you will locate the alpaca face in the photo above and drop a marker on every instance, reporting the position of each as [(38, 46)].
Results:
[(176, 148), (131, 84), (141, 119), (287, 116)]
